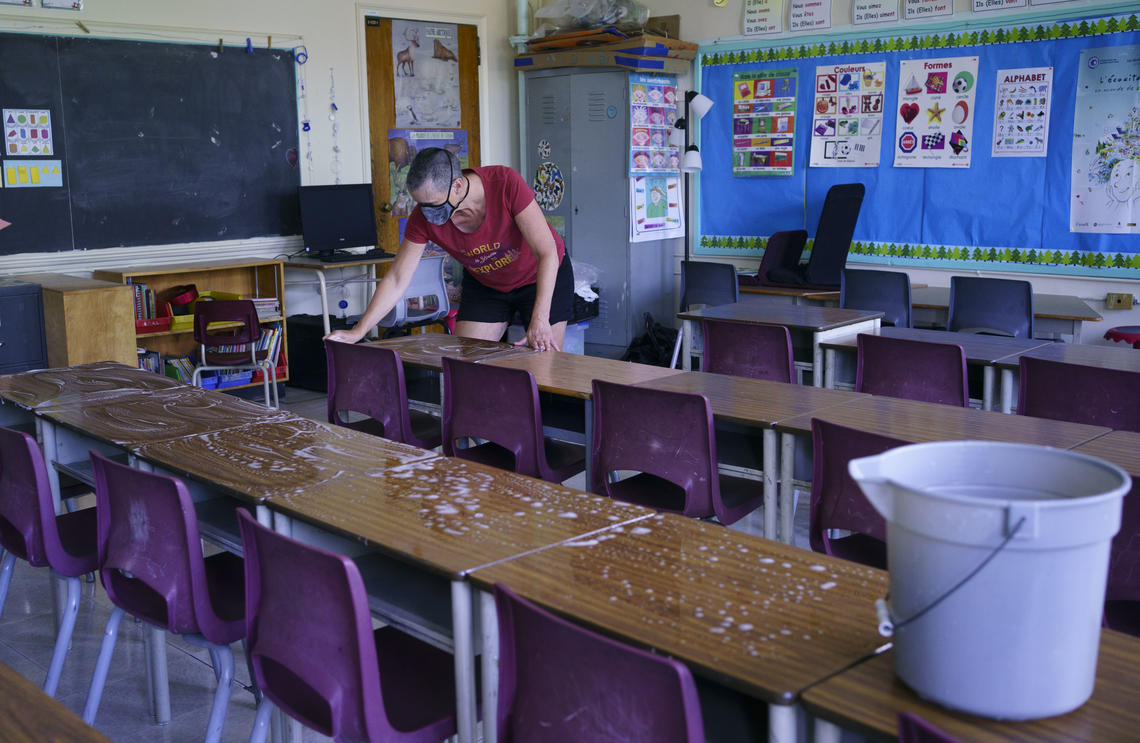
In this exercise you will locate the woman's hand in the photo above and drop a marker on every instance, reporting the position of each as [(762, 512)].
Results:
[(539, 336), (348, 335)]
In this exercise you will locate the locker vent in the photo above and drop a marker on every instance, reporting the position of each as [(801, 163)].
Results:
[(596, 106), (549, 109)]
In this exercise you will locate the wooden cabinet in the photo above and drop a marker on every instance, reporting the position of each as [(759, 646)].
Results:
[(250, 279), (85, 320)]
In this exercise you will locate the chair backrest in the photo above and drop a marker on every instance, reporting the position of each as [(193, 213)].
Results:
[(708, 283), (560, 682), (748, 350), (368, 380), (833, 234), (225, 310), (1124, 563), (425, 300), (782, 251), (887, 291), (837, 502), (665, 434), (916, 370), (914, 729), (1079, 393), (27, 517), (993, 306), (316, 658), (150, 553), (494, 403)]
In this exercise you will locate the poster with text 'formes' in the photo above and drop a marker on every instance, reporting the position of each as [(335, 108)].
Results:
[(935, 119), (763, 122), (847, 115)]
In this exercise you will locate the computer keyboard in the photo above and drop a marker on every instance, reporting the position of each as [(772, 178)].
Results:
[(346, 257)]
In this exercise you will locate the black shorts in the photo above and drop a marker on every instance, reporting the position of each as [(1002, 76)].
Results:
[(481, 303)]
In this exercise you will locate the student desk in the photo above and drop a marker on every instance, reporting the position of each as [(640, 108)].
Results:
[(764, 618), (758, 403), (797, 295), (820, 323), (1054, 315), (28, 715), (1122, 448), (319, 268), (105, 379), (869, 697), (981, 350), (447, 517), (427, 350), (1106, 357)]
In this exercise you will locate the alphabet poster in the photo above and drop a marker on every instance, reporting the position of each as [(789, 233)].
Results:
[(935, 119), (1021, 112), (425, 63), (763, 122), (847, 118)]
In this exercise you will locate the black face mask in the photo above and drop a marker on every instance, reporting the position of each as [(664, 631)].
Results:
[(438, 214)]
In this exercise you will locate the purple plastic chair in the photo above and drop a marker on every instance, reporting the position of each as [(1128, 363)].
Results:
[(1079, 393), (151, 565), (319, 659), (1122, 599), (500, 406), (560, 682), (886, 291), (915, 370), (914, 729), (991, 306), (370, 380), (30, 530), (836, 500), (213, 355), (668, 439), (748, 350)]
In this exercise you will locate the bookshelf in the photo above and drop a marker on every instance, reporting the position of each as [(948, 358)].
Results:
[(251, 279)]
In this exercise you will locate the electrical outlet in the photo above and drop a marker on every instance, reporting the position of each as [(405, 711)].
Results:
[(1118, 301)]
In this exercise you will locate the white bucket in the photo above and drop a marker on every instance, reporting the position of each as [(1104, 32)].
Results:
[(1018, 640)]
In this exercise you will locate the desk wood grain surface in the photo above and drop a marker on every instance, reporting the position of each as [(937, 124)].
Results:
[(453, 516), (1051, 306), (570, 374), (1122, 448), (429, 349), (752, 401), (28, 715), (1106, 357), (792, 316), (818, 295), (869, 698), (39, 389), (282, 457), (979, 349), (911, 420), (763, 617)]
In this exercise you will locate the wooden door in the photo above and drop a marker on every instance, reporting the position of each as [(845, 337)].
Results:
[(382, 105)]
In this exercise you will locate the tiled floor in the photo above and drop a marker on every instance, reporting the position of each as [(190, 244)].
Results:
[(27, 636)]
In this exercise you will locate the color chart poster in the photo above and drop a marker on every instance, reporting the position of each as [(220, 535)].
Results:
[(847, 115), (653, 111), (1106, 142), (1021, 112), (763, 122), (935, 119), (27, 132)]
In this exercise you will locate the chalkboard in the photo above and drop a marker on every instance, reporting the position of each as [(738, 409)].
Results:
[(159, 143)]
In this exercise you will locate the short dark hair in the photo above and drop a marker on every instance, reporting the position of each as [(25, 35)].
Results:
[(435, 166)]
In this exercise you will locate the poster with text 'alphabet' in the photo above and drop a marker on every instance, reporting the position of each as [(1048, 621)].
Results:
[(1021, 112), (763, 122), (847, 115), (935, 119)]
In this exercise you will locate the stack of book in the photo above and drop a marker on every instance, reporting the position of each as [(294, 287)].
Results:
[(268, 308)]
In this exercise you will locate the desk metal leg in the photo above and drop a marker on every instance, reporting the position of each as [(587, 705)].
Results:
[(490, 625), (771, 480), (1007, 390), (826, 732), (987, 387), (46, 432), (324, 290), (461, 622), (816, 361), (687, 345), (589, 444), (787, 491), (781, 723), (829, 368)]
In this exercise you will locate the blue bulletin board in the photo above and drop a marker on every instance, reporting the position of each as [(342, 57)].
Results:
[(1001, 213)]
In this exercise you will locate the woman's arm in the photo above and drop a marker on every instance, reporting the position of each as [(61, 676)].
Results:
[(536, 232), (389, 291)]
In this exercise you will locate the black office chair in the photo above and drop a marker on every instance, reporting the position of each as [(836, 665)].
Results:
[(888, 291), (832, 242), (705, 283)]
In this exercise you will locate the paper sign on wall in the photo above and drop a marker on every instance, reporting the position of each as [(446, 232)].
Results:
[(33, 173), (653, 111), (874, 11), (809, 15), (919, 9), (655, 208), (1021, 112), (425, 60), (763, 122), (984, 6), (763, 17), (27, 132), (847, 115), (935, 118)]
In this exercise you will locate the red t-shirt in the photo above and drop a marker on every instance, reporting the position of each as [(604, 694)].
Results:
[(495, 254)]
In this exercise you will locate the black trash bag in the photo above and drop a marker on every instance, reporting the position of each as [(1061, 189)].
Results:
[(654, 347)]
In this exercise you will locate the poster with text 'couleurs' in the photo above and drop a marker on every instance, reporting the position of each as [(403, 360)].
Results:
[(763, 122), (847, 115), (935, 119)]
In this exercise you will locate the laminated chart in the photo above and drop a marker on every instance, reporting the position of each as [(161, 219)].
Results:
[(33, 173), (27, 132), (1021, 112), (653, 111), (935, 119), (847, 115), (763, 122)]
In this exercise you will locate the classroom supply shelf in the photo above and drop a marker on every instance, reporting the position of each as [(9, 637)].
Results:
[(251, 279)]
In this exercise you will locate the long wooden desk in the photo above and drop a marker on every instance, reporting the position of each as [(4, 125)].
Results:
[(818, 323), (869, 697), (1106, 357), (758, 403), (1054, 315), (319, 268), (764, 618), (38, 389), (985, 351), (1122, 448), (571, 374), (427, 350), (28, 715)]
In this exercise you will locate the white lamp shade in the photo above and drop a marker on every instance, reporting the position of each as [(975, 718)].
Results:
[(700, 105), (677, 137), (692, 160)]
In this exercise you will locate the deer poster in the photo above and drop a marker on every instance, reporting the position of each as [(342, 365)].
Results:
[(426, 74)]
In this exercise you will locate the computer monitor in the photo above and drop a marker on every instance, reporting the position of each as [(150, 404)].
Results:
[(338, 216)]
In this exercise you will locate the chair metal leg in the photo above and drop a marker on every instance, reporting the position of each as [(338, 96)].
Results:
[(157, 674), (225, 675), (63, 639), (261, 721), (99, 679), (6, 567), (676, 351), (257, 695)]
